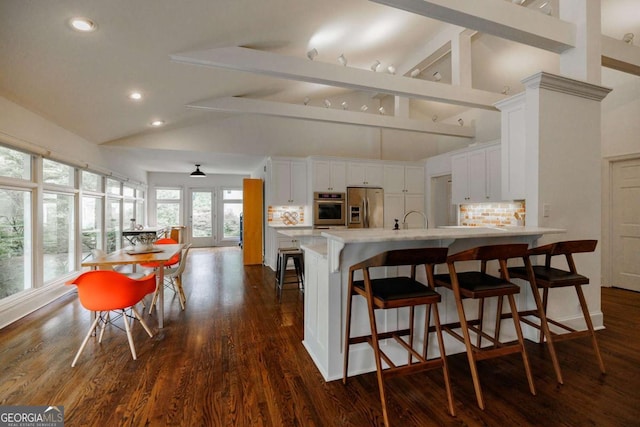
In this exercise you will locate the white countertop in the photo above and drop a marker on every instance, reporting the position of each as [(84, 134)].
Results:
[(309, 232), (387, 235), (320, 249), (282, 226)]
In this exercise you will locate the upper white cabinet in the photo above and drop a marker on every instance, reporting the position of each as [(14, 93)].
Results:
[(287, 182), (475, 176), (513, 147), (363, 173), (329, 175), (403, 179)]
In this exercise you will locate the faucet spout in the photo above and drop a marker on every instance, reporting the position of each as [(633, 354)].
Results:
[(424, 217)]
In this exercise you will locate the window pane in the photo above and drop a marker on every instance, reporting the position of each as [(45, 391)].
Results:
[(91, 181), (167, 194), (15, 241), (113, 186), (14, 164), (57, 235), (129, 213), (231, 224), (168, 214), (201, 207), (91, 225), (128, 191), (113, 225), (140, 213), (57, 173), (232, 194)]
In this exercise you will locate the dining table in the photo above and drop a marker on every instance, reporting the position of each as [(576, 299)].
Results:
[(159, 254)]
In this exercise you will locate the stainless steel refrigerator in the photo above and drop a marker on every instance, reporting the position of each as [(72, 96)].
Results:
[(365, 207)]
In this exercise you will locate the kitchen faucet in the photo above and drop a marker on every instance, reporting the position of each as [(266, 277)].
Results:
[(405, 225)]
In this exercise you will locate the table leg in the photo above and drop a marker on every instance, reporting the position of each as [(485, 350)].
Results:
[(160, 306)]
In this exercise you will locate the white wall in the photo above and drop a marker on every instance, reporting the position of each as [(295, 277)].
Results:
[(18, 124)]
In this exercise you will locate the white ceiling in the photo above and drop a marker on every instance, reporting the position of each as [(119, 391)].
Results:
[(81, 81)]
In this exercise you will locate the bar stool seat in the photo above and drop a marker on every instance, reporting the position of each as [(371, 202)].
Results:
[(284, 255), (398, 292), (548, 277), (480, 285)]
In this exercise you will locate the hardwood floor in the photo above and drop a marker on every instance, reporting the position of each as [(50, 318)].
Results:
[(234, 358)]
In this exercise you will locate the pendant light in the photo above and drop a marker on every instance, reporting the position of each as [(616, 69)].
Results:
[(198, 173)]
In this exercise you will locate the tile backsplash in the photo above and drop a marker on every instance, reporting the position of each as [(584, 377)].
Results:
[(506, 214), (286, 215)]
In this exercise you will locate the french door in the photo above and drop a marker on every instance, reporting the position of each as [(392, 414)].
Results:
[(202, 217)]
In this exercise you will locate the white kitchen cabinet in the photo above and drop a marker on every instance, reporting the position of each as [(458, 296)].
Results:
[(329, 175), (363, 173), (287, 182), (513, 141), (403, 179), (475, 176), (396, 205)]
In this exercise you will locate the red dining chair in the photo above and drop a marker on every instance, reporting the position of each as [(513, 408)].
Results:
[(172, 261), (103, 291)]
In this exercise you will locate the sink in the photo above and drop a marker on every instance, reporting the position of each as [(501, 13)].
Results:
[(478, 227)]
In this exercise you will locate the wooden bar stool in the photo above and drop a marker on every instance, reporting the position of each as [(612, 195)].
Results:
[(547, 277), (284, 255), (396, 292), (480, 285)]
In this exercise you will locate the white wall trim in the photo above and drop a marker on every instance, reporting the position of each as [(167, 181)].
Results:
[(17, 306)]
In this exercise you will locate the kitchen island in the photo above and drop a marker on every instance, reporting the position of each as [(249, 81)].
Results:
[(326, 284)]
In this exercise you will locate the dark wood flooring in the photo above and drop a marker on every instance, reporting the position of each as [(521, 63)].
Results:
[(235, 358)]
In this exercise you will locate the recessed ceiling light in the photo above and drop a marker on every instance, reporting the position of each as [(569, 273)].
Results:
[(136, 96), (84, 25), (157, 123)]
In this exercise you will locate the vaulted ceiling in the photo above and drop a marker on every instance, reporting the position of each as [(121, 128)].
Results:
[(82, 81)]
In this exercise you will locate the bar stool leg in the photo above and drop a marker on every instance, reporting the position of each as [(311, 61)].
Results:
[(525, 358), (587, 319)]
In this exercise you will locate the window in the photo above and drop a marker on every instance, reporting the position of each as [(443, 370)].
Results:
[(232, 209), (15, 241), (113, 225), (58, 235), (113, 187), (91, 224), (57, 173), (168, 203), (91, 181), (14, 164)]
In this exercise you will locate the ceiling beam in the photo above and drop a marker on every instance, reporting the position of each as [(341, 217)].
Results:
[(620, 56), (330, 115), (293, 68), (496, 17)]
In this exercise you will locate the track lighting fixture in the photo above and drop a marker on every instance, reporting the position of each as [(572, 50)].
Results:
[(415, 72), (382, 111), (461, 122), (327, 103), (545, 8), (345, 105), (312, 53), (374, 67), (434, 118), (364, 108), (306, 100), (628, 38), (437, 76), (505, 90), (391, 69), (342, 60)]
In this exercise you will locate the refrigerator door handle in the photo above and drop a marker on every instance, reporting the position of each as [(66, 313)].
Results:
[(366, 212)]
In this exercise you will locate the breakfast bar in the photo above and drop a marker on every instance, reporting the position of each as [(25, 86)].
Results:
[(326, 280)]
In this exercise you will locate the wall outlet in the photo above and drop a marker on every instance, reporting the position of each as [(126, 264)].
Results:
[(546, 208)]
